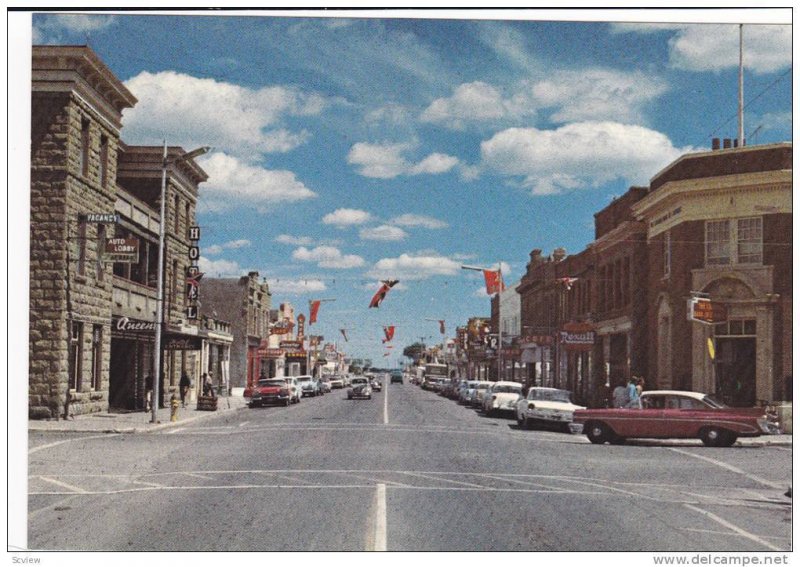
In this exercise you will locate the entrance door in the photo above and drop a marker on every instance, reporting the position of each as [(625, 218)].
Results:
[(122, 372), (736, 370)]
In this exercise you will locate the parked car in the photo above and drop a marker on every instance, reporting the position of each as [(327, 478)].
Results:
[(270, 391), (294, 388), (675, 414), (546, 406), (309, 386), (359, 388), (502, 396), (465, 390), (337, 381), (480, 390), (325, 384), (396, 377)]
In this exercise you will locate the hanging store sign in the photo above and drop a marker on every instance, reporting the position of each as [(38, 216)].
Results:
[(271, 353), (181, 342), (291, 346), (282, 327), (577, 337), (704, 310), (105, 218), (127, 325), (301, 325), (121, 250)]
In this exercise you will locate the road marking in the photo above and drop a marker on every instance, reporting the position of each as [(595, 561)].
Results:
[(375, 480), (514, 481), (386, 406), (243, 423), (195, 475), (145, 483), (430, 477), (63, 485), (49, 445), (734, 528), (731, 468), (379, 533), (173, 431)]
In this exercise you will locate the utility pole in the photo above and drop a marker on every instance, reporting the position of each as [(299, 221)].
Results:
[(499, 323), (741, 85)]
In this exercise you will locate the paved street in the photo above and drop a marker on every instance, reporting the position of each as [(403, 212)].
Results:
[(407, 470)]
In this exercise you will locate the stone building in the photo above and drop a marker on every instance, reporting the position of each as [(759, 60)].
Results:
[(246, 303), (76, 113), (92, 314), (720, 223)]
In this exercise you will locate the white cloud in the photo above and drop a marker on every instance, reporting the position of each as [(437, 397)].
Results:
[(295, 287), (383, 232), (413, 267), (714, 47), (346, 217), (376, 285), (213, 249), (78, 23), (232, 182), (481, 292), (219, 268), (474, 102), (231, 118), (386, 161), (294, 240), (423, 221), (235, 244), (328, 257), (579, 156), (597, 94)]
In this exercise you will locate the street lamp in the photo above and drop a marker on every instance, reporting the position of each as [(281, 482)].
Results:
[(499, 322), (165, 163)]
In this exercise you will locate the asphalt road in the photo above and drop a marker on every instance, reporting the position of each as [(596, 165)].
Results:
[(406, 470)]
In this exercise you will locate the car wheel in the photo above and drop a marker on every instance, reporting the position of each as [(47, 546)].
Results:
[(598, 433), (717, 437)]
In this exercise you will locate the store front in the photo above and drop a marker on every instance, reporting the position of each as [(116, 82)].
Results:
[(131, 363)]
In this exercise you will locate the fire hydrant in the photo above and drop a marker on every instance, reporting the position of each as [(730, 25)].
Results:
[(173, 405)]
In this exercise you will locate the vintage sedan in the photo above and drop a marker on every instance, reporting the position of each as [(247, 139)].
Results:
[(476, 398), (546, 405), (337, 381), (663, 414), (309, 386), (359, 388), (271, 391), (502, 396)]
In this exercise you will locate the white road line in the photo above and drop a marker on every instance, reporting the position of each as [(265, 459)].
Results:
[(731, 468), (49, 445), (173, 431), (379, 535), (375, 480), (430, 477), (243, 423), (734, 528), (385, 405), (514, 481), (195, 475), (63, 485), (145, 483)]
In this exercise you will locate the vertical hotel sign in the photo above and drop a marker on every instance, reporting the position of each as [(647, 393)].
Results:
[(193, 274)]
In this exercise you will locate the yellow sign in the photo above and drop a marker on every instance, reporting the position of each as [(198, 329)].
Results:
[(711, 351)]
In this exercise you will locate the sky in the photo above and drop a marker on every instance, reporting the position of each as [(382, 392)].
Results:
[(347, 150)]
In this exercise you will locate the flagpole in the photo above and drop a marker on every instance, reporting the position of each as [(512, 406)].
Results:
[(499, 325)]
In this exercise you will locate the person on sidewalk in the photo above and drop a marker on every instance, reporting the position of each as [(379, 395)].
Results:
[(184, 384), (208, 385), (148, 392), (620, 395)]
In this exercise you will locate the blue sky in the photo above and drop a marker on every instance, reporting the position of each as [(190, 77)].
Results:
[(348, 150)]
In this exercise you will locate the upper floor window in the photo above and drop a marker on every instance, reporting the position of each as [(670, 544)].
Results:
[(103, 160), (84, 155), (734, 242)]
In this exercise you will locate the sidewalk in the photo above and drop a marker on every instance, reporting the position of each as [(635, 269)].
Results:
[(136, 422)]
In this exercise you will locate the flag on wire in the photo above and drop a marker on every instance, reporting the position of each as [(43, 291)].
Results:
[(344, 334), (494, 281), (441, 326), (386, 353), (567, 282), (386, 285), (313, 307), (388, 333)]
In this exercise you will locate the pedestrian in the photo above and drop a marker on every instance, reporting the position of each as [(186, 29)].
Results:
[(633, 393), (148, 392), (620, 395), (184, 384), (208, 385), (639, 387)]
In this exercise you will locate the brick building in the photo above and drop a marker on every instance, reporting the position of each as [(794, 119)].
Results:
[(720, 223), (246, 303)]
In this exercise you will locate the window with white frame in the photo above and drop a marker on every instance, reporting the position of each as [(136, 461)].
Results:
[(748, 240), (718, 243), (737, 241)]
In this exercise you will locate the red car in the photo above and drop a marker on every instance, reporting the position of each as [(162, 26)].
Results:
[(675, 414), (271, 391)]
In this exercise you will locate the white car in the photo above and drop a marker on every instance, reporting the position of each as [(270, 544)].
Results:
[(501, 396), (546, 405), (476, 396), (294, 388), (337, 381)]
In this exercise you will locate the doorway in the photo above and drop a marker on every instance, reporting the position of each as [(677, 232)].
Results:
[(736, 370)]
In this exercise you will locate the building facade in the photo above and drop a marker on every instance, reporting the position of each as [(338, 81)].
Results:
[(93, 305)]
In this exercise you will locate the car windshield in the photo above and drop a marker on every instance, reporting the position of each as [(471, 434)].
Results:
[(549, 395), (359, 381), (506, 389), (304, 379), (272, 382), (471, 384), (713, 402), (482, 385)]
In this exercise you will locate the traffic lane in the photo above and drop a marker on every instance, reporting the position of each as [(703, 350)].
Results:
[(253, 514), (450, 519)]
